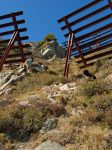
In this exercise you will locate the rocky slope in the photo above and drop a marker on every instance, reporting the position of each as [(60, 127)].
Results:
[(43, 111)]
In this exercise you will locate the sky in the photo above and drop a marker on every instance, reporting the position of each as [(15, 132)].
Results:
[(41, 15)]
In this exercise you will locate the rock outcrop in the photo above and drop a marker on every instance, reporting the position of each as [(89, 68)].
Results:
[(53, 49)]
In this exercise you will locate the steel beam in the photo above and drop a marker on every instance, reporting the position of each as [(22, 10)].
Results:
[(96, 56), (9, 15), (80, 10), (7, 40), (87, 16), (11, 23), (15, 47), (91, 24), (5, 54), (12, 31), (95, 50), (17, 55)]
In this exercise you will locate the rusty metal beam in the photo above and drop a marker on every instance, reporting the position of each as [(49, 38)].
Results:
[(91, 34), (87, 16), (11, 23), (12, 31), (18, 36), (89, 44), (5, 54), (96, 56), (108, 26), (68, 55), (92, 63), (7, 40), (91, 24), (15, 47), (13, 61), (95, 50), (110, 2), (9, 15), (75, 41), (80, 10), (17, 55)]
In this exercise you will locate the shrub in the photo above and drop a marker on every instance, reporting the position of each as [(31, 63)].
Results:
[(49, 38), (20, 121), (5, 143), (97, 87)]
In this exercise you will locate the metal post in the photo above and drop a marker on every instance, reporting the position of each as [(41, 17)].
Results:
[(70, 43), (18, 36), (75, 41), (110, 3), (10, 44)]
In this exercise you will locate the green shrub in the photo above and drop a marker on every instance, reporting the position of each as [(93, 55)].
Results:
[(92, 88), (49, 38), (18, 120)]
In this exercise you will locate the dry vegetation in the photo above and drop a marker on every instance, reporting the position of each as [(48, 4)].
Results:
[(89, 129)]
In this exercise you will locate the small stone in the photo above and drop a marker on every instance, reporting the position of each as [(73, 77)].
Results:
[(64, 87), (24, 103), (49, 125), (51, 99), (33, 97)]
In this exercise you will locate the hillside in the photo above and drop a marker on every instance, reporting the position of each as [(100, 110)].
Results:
[(42, 110)]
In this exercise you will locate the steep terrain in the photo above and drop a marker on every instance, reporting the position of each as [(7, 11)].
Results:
[(45, 111)]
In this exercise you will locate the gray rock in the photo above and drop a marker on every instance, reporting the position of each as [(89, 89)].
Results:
[(51, 99), (53, 50), (33, 97), (49, 125), (24, 103), (64, 87), (39, 68), (49, 145), (109, 77)]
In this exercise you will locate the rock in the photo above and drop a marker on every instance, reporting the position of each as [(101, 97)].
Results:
[(109, 77), (48, 52), (5, 77), (60, 52), (24, 103), (49, 145), (77, 112), (28, 64), (33, 97), (51, 99), (53, 50), (49, 125), (64, 87), (39, 68)]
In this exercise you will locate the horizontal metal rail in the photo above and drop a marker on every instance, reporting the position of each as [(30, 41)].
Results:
[(15, 47), (21, 38), (17, 55), (96, 56), (91, 24), (80, 10), (95, 50), (11, 24), (87, 16), (10, 15), (92, 63), (12, 31)]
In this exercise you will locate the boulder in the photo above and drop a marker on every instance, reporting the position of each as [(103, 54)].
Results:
[(49, 145), (53, 50)]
